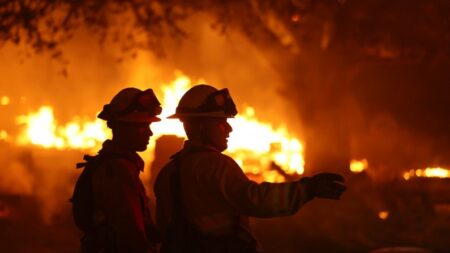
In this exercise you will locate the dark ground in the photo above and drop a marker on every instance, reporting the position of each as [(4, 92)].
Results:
[(419, 217)]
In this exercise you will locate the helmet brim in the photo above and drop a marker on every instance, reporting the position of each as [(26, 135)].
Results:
[(136, 117), (220, 114), (139, 119)]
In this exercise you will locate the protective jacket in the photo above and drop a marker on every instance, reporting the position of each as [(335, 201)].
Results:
[(121, 213), (217, 196)]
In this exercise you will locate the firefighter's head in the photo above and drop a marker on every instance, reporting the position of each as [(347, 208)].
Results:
[(204, 111), (129, 115)]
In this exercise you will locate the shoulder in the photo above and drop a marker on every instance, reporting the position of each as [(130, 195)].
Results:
[(225, 160), (163, 176), (215, 157), (119, 167), (215, 164)]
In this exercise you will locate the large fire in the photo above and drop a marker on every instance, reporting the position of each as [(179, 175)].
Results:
[(42, 129), (254, 144)]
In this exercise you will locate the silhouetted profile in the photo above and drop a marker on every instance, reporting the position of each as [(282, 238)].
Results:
[(203, 197), (109, 202)]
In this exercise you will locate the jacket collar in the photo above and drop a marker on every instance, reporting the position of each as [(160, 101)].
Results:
[(110, 148), (196, 145)]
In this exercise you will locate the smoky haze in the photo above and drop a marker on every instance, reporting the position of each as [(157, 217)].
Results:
[(95, 73), (391, 112)]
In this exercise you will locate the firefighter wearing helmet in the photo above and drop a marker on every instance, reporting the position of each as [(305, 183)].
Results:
[(109, 202), (204, 200)]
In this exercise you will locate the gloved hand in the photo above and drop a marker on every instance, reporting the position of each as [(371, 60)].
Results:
[(324, 185)]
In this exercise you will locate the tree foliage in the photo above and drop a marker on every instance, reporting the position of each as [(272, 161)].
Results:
[(381, 28), (46, 24)]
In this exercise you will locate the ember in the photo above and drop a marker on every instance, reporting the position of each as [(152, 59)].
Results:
[(358, 166), (436, 172), (383, 215)]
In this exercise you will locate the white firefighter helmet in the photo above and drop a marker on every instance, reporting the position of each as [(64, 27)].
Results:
[(205, 101), (132, 105)]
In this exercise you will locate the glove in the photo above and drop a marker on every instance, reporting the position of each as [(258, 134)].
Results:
[(324, 185)]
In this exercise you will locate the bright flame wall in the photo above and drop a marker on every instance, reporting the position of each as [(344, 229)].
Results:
[(254, 144)]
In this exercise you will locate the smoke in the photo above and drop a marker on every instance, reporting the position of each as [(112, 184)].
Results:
[(45, 175), (15, 178), (342, 116), (230, 60), (96, 72), (350, 117), (391, 147), (396, 114)]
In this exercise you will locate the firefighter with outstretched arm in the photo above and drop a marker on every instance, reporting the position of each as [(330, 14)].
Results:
[(204, 200)]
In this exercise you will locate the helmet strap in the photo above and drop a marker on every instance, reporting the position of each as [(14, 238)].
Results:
[(196, 131), (203, 134)]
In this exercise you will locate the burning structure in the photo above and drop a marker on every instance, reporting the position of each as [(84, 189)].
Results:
[(358, 87)]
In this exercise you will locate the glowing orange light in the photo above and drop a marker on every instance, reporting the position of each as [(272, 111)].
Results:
[(431, 172), (295, 18), (4, 100), (406, 175), (3, 135), (383, 215), (254, 144), (264, 141), (43, 130), (358, 166)]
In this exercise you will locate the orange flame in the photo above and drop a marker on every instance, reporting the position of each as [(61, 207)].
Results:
[(433, 172), (254, 144), (42, 129), (358, 166), (3, 135), (4, 100)]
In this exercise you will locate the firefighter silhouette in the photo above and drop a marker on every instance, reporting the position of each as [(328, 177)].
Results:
[(109, 202), (203, 198)]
